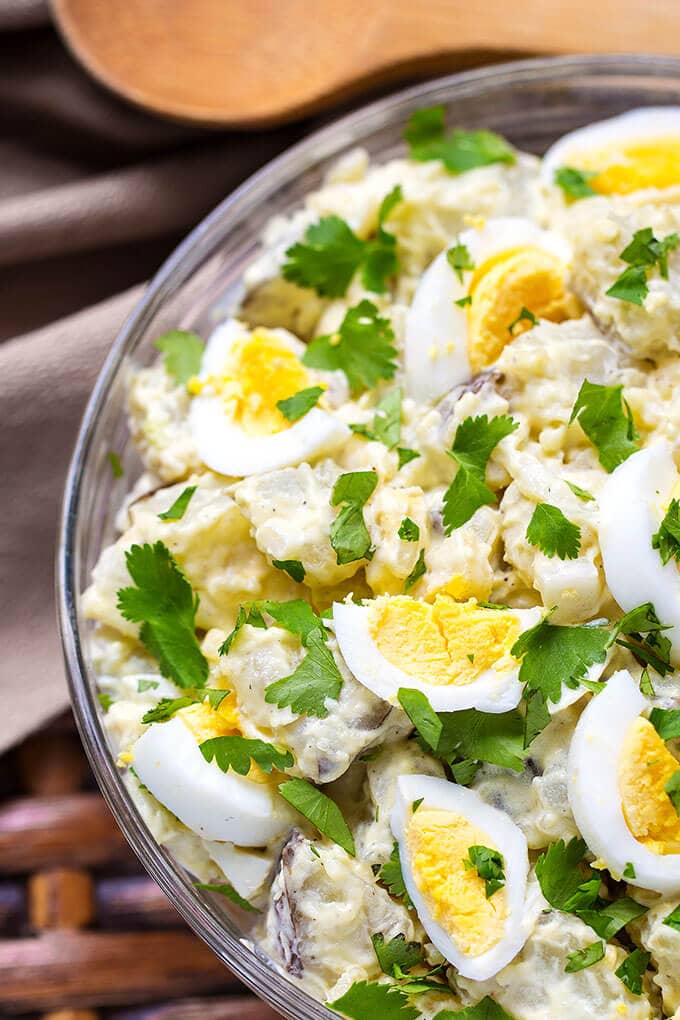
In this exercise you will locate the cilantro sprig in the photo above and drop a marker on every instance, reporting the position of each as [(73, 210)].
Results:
[(605, 417), (331, 253), (631, 971), (168, 707), (183, 352), (363, 348), (667, 538), (163, 602), (349, 535), (315, 681), (554, 656), (643, 254), (390, 875), (459, 150), (320, 810), (237, 753), (396, 953), (643, 636), (473, 444), (551, 532)]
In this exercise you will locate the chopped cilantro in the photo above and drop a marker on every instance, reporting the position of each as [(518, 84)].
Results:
[(366, 999), (224, 889), (115, 464), (236, 753), (490, 866), (474, 442), (672, 788), (165, 605), (464, 301), (551, 532), (320, 810), (629, 871), (316, 680), (459, 150), (537, 715), (397, 951), (607, 919), (555, 655), (632, 970), (630, 286), (422, 715), (586, 957), (667, 538), (673, 919), (524, 316), (642, 254), (406, 455), (295, 616), (408, 530), (587, 497), (146, 685), (458, 257), (391, 875), (386, 421), (178, 509), (293, 568), (646, 685), (464, 771), (417, 572), (575, 183), (380, 260), (606, 419), (252, 617), (487, 1009), (666, 722), (363, 348), (105, 700), (349, 535), (296, 407), (648, 644), (416, 804), (167, 707), (183, 353)]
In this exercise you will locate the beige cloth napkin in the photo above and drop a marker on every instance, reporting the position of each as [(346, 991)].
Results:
[(93, 195)]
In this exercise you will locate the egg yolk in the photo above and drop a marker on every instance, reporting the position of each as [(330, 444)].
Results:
[(445, 643), (645, 767), (260, 370), (501, 287), (206, 723), (650, 164), (438, 843)]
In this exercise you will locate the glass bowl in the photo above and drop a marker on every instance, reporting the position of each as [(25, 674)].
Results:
[(531, 103)]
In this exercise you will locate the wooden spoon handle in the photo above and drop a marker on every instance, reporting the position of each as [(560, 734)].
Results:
[(245, 65)]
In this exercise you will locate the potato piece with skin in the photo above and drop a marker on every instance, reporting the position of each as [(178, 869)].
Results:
[(212, 545), (323, 748), (291, 517), (324, 908), (535, 985), (158, 412)]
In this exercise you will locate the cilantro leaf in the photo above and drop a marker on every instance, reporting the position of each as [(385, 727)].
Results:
[(406, 455), (608, 919), (642, 254), (650, 650), (296, 407), (105, 700), (474, 442), (422, 715), (380, 254), (326, 259), (296, 616), (524, 315), (575, 183), (667, 538), (555, 655), (553, 533), (673, 919), (561, 877), (464, 771), (224, 889), (487, 1009), (366, 999), (311, 684), (391, 875), (320, 810), (293, 568), (458, 257), (349, 535), (537, 715), (580, 493), (363, 348), (146, 685), (672, 788), (387, 419), (459, 150), (474, 736), (397, 951), (586, 957), (629, 871), (167, 707), (236, 753), (408, 530), (115, 464), (607, 420), (183, 353), (252, 617), (165, 605), (630, 286), (632, 969), (178, 509), (489, 865), (417, 572), (666, 722)]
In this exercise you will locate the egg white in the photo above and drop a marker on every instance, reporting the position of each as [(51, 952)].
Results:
[(632, 505), (215, 805), (246, 870), (226, 448), (506, 837), (593, 783), (435, 349), (491, 692), (633, 126)]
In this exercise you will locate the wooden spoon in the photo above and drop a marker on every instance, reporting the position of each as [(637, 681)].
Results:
[(254, 63)]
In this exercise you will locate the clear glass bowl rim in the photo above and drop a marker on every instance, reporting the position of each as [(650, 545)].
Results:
[(275, 989)]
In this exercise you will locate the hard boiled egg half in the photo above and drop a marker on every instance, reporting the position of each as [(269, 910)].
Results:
[(459, 323), (640, 149), (633, 503), (478, 934), (244, 810), (456, 653), (618, 767), (235, 424)]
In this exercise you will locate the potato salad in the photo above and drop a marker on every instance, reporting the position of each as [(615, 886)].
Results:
[(387, 646)]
